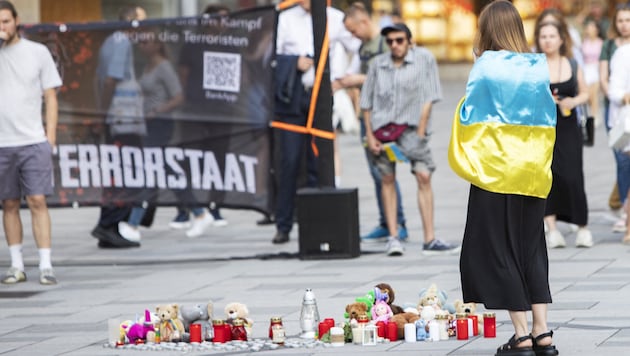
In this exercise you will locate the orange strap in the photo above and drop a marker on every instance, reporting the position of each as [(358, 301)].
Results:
[(287, 4), (319, 73)]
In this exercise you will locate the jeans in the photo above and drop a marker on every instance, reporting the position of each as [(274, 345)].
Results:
[(376, 177), (623, 164)]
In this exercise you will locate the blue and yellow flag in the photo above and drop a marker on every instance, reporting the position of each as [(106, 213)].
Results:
[(504, 129)]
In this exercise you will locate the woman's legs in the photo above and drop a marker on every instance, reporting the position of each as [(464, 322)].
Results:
[(519, 321), (539, 325)]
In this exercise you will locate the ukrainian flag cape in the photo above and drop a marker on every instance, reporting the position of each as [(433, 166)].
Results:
[(504, 129)]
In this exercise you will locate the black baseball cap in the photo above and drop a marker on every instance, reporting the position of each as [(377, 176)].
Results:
[(397, 27)]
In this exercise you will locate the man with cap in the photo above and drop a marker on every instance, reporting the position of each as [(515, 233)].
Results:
[(396, 99)]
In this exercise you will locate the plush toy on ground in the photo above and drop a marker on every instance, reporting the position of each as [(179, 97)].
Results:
[(381, 311), (469, 308), (139, 330), (384, 291), (436, 298), (422, 324), (171, 327), (354, 310), (408, 316), (237, 310), (198, 314)]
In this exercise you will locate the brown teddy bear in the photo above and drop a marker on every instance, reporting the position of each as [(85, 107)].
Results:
[(354, 310), (171, 327), (403, 318), (385, 292)]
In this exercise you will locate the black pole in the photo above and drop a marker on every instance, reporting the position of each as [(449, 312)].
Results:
[(323, 111)]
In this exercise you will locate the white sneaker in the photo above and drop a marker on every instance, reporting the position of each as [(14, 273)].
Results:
[(555, 239), (620, 225), (584, 238), (128, 232), (394, 248), (199, 225), (219, 223)]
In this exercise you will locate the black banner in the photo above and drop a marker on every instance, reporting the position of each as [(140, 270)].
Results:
[(166, 111)]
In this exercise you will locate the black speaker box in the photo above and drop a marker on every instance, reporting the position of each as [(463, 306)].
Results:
[(328, 221)]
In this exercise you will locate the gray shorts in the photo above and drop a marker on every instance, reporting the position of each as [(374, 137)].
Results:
[(26, 171), (414, 147)]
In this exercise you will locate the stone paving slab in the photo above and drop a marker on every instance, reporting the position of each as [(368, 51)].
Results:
[(590, 287)]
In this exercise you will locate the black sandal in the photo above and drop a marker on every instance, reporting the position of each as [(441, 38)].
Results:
[(511, 349), (546, 350)]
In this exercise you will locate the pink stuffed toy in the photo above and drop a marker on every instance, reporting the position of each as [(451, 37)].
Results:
[(381, 311), (138, 331)]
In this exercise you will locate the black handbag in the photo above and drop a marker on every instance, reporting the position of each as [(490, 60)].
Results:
[(587, 123)]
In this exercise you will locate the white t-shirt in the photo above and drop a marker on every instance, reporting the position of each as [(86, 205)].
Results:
[(26, 71)]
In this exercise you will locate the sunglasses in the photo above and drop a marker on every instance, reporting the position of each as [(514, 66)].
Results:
[(398, 40)]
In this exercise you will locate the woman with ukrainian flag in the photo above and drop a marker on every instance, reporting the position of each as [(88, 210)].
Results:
[(502, 143)]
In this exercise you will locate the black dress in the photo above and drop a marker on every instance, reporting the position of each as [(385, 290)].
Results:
[(567, 199), (503, 262)]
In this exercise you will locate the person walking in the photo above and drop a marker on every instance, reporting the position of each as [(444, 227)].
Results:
[(502, 143), (619, 95), (396, 99), (358, 21), (567, 199), (28, 73), (619, 36)]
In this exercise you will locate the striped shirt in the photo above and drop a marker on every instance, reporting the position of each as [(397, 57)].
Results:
[(397, 95)]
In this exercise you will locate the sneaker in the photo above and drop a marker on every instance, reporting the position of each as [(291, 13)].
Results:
[(381, 234), (14, 276), (219, 222), (555, 239), (46, 277), (620, 225), (394, 248), (439, 247), (128, 232), (378, 234), (584, 238), (111, 237), (199, 225), (181, 221)]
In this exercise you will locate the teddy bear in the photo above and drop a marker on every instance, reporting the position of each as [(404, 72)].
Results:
[(171, 327), (381, 311), (198, 314), (384, 291), (408, 316), (436, 298), (469, 308), (237, 310), (354, 310), (368, 299)]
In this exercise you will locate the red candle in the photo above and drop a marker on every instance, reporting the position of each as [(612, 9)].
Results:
[(392, 331), (462, 327), (380, 328), (323, 328), (489, 325), (195, 332), (219, 331), (228, 332), (475, 324)]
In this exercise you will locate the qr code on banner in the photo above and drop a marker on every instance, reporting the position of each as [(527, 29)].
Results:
[(222, 71)]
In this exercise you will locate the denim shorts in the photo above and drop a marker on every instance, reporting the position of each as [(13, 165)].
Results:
[(25, 171), (414, 147)]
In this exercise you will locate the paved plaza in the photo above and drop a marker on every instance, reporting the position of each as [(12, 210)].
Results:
[(591, 287)]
